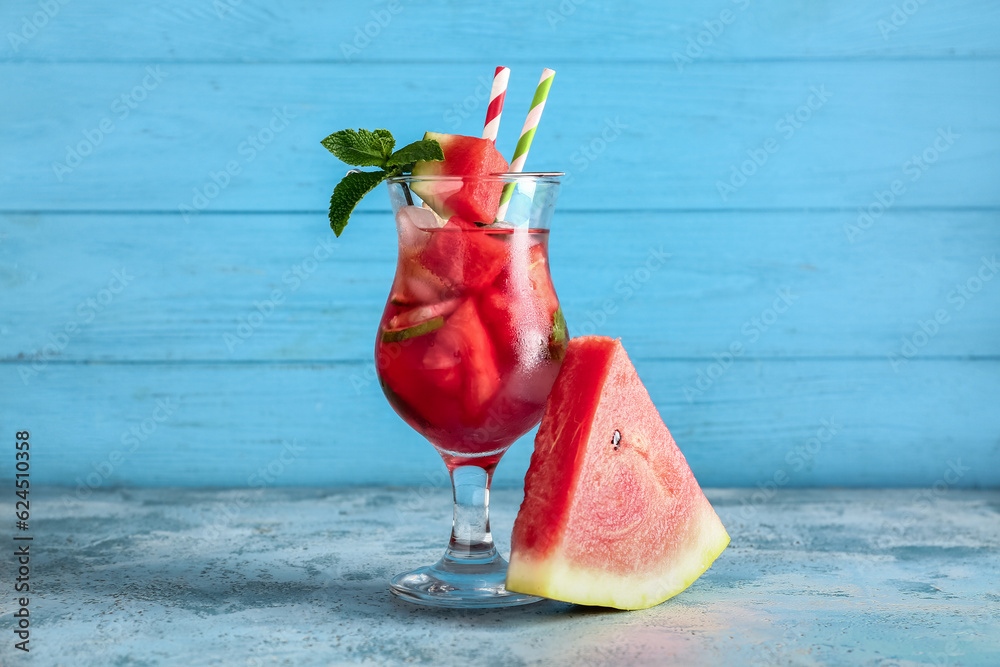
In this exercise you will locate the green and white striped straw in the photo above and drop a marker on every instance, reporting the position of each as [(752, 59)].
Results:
[(527, 134)]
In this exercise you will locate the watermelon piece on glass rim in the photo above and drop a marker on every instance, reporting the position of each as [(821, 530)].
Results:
[(473, 200), (612, 514)]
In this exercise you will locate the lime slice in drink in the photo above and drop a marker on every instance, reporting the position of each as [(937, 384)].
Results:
[(417, 321), (559, 337), (396, 335)]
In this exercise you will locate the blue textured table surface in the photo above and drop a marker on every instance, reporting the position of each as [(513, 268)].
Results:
[(887, 578)]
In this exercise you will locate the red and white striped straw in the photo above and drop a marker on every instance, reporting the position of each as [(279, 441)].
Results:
[(497, 94), (527, 134)]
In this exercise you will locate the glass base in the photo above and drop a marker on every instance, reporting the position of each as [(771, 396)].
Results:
[(459, 584)]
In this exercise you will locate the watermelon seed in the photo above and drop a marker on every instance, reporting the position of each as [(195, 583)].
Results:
[(616, 438)]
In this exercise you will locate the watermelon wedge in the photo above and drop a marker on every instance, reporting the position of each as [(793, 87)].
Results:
[(473, 200), (612, 514)]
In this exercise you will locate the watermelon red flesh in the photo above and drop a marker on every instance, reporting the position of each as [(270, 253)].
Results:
[(520, 303), (443, 380), (514, 277), (541, 281), (472, 344), (473, 200), (617, 521), (463, 258), (499, 314)]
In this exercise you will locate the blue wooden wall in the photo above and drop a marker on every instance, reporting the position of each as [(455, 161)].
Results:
[(824, 176)]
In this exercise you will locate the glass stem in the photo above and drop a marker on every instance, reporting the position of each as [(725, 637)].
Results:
[(471, 541)]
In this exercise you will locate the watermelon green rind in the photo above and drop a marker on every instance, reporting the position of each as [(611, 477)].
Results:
[(435, 168), (618, 522)]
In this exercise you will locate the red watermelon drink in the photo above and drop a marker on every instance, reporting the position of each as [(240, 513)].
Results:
[(472, 334), (468, 348)]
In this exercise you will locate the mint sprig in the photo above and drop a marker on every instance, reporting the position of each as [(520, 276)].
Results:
[(364, 148)]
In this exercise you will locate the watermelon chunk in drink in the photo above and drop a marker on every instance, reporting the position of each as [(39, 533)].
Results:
[(466, 339), (520, 307), (445, 374), (541, 280), (463, 258)]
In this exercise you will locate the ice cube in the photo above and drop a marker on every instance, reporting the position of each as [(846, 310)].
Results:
[(419, 217), (410, 235), (520, 207), (438, 220)]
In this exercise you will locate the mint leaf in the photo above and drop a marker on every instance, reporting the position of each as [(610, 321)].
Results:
[(418, 151), (348, 193), (361, 148), (387, 142), (370, 148)]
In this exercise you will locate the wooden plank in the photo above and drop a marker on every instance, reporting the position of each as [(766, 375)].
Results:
[(191, 289), (817, 423), (648, 137), (551, 31)]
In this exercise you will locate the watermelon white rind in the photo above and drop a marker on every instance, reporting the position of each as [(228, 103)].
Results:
[(612, 514)]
